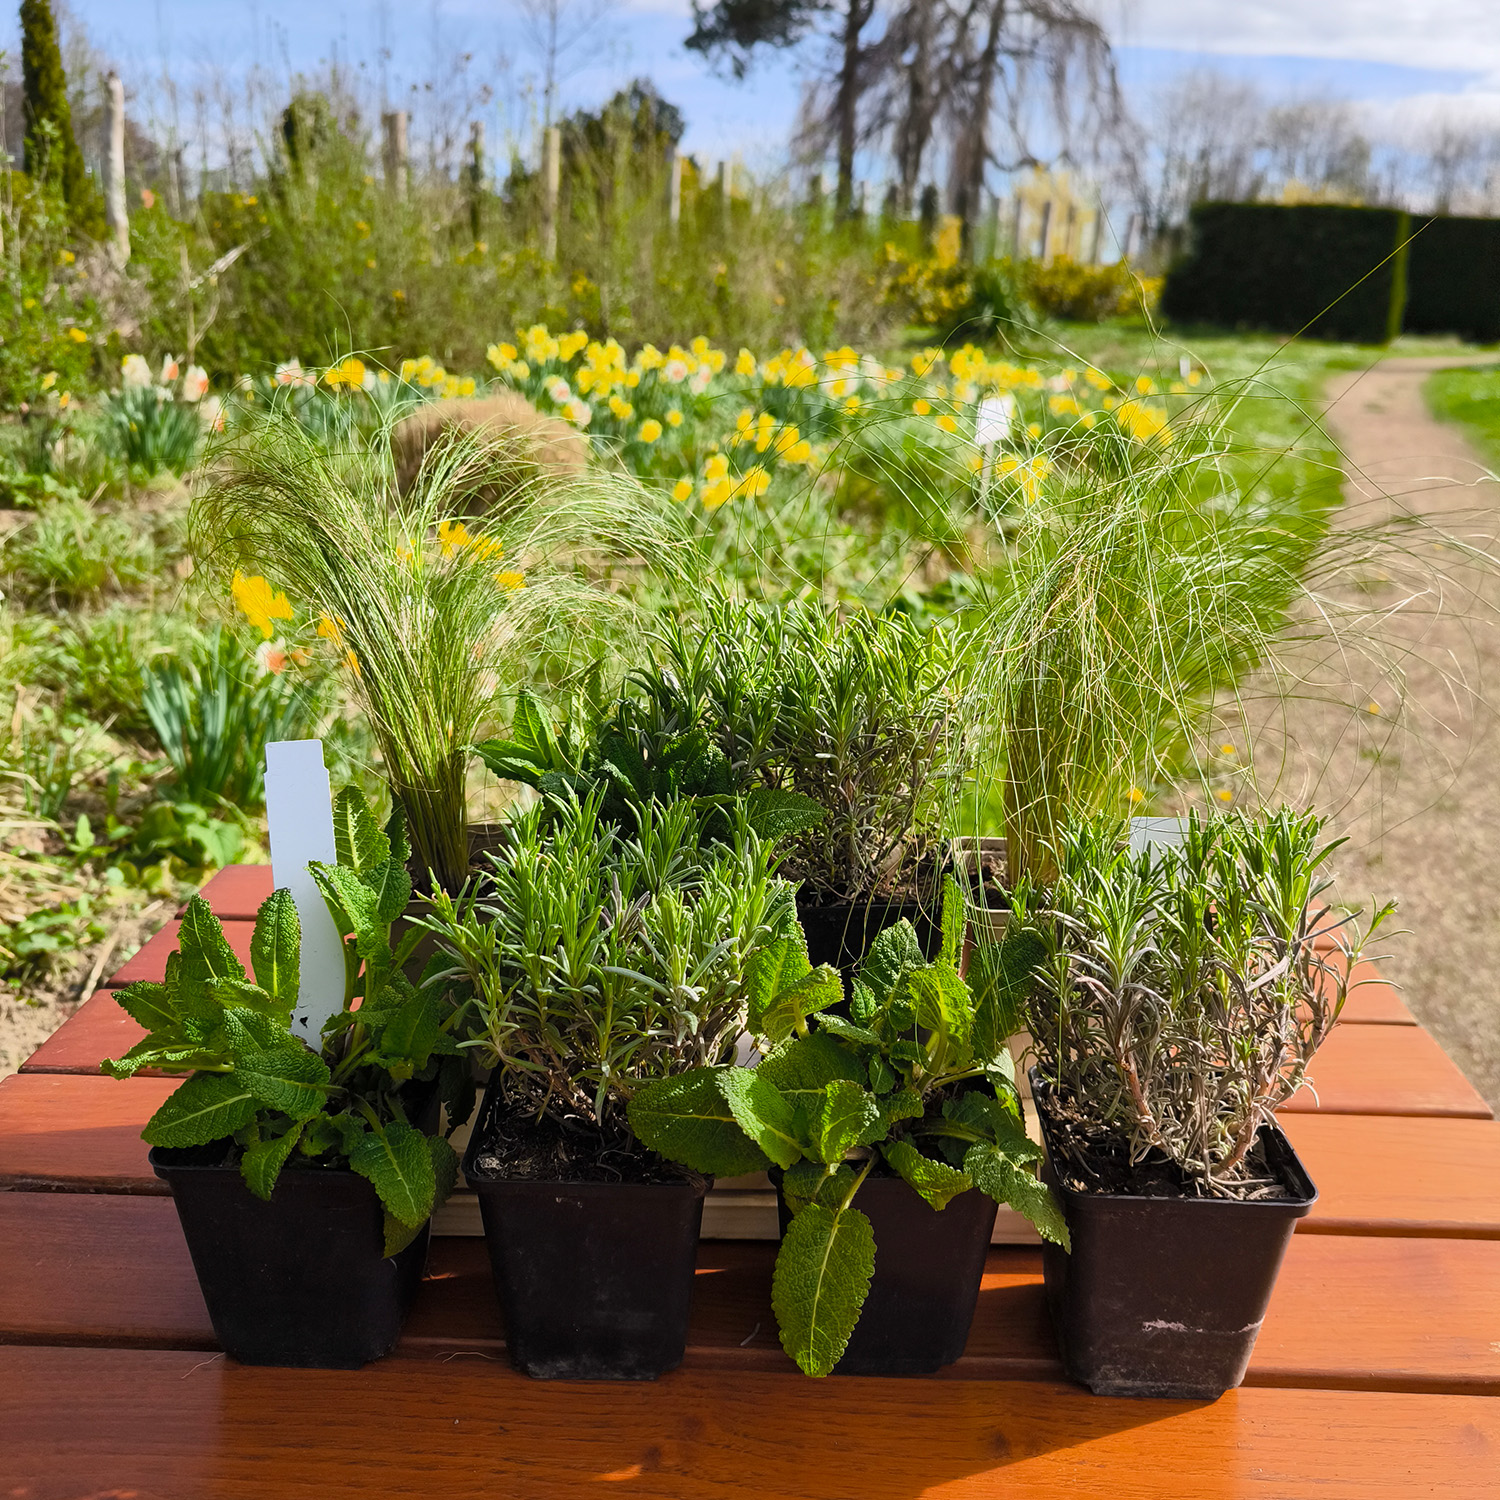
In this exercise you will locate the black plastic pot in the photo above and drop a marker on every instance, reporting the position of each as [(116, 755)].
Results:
[(928, 1266), (301, 1280), (595, 1279), (1165, 1296), (840, 933)]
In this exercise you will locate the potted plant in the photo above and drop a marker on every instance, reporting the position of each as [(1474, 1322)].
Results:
[(601, 957), (854, 712), (432, 605), (305, 1180), (1177, 998), (891, 1135)]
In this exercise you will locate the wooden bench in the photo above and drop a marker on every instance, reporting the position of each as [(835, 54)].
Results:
[(1376, 1375)]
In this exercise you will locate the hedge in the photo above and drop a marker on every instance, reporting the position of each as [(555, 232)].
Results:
[(1453, 278), (1323, 270)]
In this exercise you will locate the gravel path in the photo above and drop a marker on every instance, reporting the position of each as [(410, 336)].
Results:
[(1411, 771)]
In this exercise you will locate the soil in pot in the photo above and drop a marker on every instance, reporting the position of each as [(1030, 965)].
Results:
[(593, 1256), (300, 1280), (928, 1267), (1164, 1292)]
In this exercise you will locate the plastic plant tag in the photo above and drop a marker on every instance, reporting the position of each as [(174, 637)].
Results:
[(1156, 833), (993, 420), (299, 813)]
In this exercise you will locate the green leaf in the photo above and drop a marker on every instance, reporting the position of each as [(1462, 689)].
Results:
[(762, 1113), (162, 1049), (822, 1278), (206, 953), (904, 1104), (942, 1005), (359, 841), (788, 1010), (355, 907), (688, 1119), (276, 948), (265, 1158), (397, 1162), (208, 1107), (999, 978), (410, 1037), (998, 1119), (290, 1079), (396, 834), (955, 920), (148, 1004), (398, 1235), (775, 814), (846, 1116), (807, 1182), (937, 1182), (444, 1169), (894, 951), (771, 969), (801, 1069), (391, 885), (531, 729), (996, 1173), (848, 1031), (242, 995)]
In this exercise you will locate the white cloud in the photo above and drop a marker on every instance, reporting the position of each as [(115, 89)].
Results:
[(1456, 34)]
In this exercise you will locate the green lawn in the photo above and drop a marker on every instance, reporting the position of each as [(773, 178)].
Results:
[(1471, 398)]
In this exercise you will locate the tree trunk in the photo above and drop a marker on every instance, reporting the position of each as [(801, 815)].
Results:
[(975, 146), (115, 212), (846, 108)]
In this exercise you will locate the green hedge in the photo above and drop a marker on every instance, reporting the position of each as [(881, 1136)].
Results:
[(1324, 270), (1453, 276)]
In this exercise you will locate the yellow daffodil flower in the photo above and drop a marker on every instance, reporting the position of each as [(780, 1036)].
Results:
[(260, 603)]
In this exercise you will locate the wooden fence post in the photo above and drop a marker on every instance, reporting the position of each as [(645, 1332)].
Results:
[(397, 160)]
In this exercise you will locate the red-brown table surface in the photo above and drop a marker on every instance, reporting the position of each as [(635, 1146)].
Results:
[(1376, 1375)]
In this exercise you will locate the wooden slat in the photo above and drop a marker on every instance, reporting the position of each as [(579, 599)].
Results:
[(96, 1030), (62, 1132), (1374, 1001), (153, 1423), (1387, 1175), (237, 891), (1387, 1070), (115, 1271), (151, 961)]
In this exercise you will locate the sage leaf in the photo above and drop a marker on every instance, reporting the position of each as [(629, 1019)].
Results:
[(359, 842), (444, 1169), (398, 1235), (846, 1116), (208, 1107), (935, 1181), (762, 1113), (290, 1079), (264, 1160), (894, 951), (996, 1173), (148, 1004), (205, 951), (391, 886), (772, 969), (688, 1119), (822, 1278), (276, 948), (397, 1162), (787, 1011)]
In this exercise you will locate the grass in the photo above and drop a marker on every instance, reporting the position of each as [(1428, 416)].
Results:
[(1471, 399)]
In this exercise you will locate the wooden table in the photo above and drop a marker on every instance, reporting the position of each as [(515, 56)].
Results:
[(1376, 1375)]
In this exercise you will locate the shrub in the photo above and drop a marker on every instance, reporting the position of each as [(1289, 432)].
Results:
[(1179, 995), (1083, 293)]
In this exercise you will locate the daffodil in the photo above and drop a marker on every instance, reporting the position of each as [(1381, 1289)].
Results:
[(921, 407), (509, 578), (650, 430), (716, 468), (715, 494), (259, 602), (947, 423), (674, 418), (744, 363), (682, 490)]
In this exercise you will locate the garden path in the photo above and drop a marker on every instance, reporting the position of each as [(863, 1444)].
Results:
[(1418, 790)]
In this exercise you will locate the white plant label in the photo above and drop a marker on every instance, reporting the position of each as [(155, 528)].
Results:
[(992, 422), (1156, 833), (299, 812)]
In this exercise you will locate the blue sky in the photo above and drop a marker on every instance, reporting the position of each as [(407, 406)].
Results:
[(1390, 55)]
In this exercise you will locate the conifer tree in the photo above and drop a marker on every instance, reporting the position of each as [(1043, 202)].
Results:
[(46, 98)]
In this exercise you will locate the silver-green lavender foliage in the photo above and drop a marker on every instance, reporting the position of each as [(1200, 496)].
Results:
[(602, 958), (1179, 995)]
